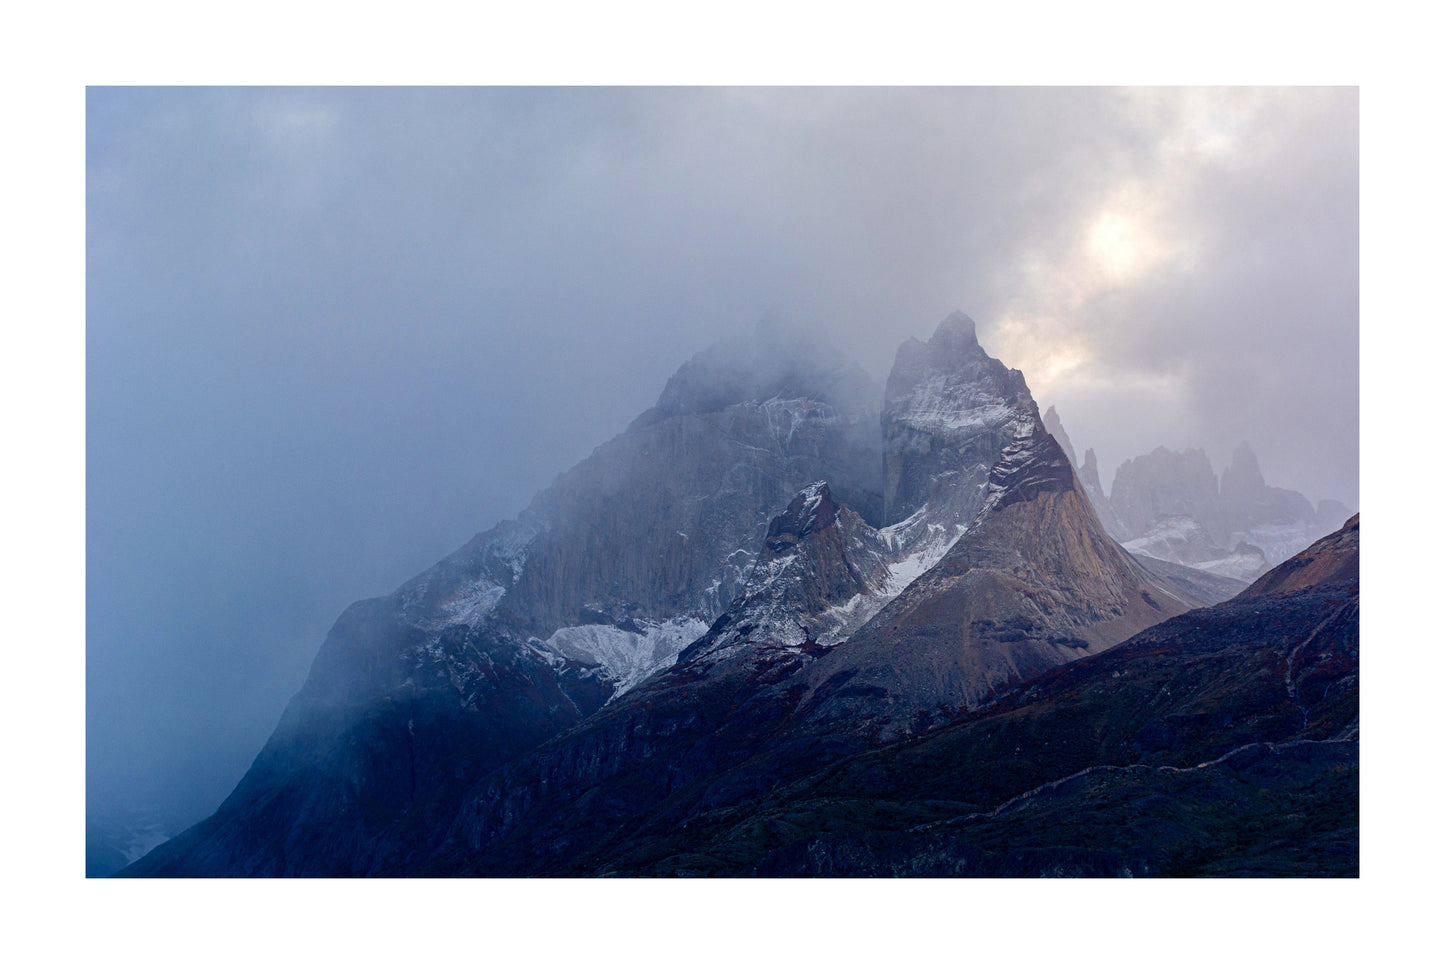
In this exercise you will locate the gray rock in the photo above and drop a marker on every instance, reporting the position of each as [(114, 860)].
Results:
[(1055, 426), (947, 413), (1166, 483)]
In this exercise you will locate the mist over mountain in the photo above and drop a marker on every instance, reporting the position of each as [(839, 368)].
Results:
[(604, 662), (331, 332)]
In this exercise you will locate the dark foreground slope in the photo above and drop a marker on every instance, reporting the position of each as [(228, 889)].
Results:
[(1221, 742)]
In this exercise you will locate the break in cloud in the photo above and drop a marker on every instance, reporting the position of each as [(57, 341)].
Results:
[(333, 333)]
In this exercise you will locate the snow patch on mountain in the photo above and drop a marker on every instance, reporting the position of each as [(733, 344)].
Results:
[(626, 657), (1280, 541), (812, 498), (943, 404), (143, 840), (1175, 538), (474, 602), (1245, 563)]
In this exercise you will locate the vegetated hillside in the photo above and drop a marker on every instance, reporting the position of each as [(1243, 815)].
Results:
[(1223, 741)]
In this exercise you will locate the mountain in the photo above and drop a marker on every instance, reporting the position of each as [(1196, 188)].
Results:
[(534, 625), (774, 689), (1174, 548), (1211, 587), (1224, 742), (764, 580), (1034, 582), (948, 409), (1331, 561), (818, 558)]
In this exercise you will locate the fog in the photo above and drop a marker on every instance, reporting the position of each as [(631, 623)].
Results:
[(333, 333)]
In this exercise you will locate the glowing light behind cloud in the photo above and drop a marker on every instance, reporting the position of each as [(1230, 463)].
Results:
[(332, 333)]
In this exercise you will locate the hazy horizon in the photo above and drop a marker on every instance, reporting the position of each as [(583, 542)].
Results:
[(333, 333)]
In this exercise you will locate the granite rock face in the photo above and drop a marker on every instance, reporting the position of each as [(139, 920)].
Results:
[(1034, 582), (818, 556), (1166, 484), (1094, 489), (947, 414), (1055, 427)]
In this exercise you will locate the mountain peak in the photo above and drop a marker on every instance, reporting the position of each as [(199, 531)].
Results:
[(817, 556), (958, 328), (779, 359), (1055, 425), (1034, 581), (811, 509), (1242, 478), (948, 412)]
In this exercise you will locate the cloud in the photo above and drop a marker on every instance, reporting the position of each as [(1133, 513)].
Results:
[(334, 332)]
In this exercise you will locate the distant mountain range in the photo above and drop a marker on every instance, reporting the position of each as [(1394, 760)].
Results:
[(777, 628), (1171, 506)]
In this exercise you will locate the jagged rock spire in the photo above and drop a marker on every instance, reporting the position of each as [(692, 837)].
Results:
[(1055, 425)]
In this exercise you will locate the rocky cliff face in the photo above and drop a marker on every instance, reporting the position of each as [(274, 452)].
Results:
[(660, 526), (947, 412), (1247, 502), (1034, 582), (1170, 506), (1055, 427), (1166, 484), (817, 558)]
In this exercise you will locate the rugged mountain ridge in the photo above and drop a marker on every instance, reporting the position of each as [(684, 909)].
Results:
[(1035, 581), (1032, 582), (818, 556), (946, 411)]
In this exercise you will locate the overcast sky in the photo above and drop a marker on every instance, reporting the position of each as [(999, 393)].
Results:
[(333, 333)]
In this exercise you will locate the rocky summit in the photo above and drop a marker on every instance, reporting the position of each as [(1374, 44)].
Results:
[(1034, 582), (790, 622)]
